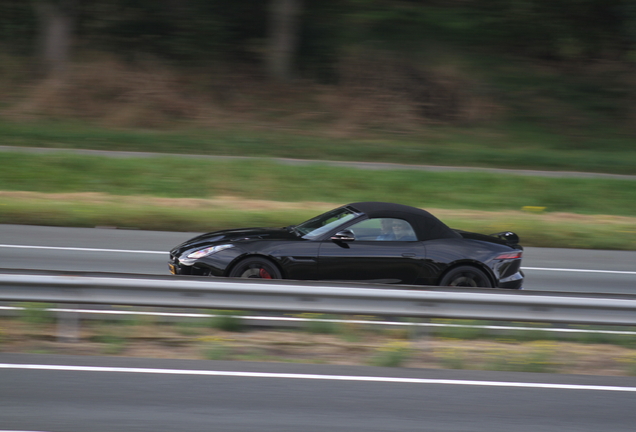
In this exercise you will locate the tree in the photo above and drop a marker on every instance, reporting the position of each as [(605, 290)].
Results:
[(55, 27), (284, 29)]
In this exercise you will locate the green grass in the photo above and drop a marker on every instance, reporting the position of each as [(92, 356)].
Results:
[(36, 314), (150, 193), (130, 186), (506, 145), (539, 360), (393, 354), (178, 178), (216, 351), (114, 336), (227, 321), (319, 326)]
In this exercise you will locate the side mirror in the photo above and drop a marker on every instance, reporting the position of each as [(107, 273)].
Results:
[(344, 236)]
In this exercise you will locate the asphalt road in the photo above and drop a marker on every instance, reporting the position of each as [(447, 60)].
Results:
[(93, 394), (145, 252)]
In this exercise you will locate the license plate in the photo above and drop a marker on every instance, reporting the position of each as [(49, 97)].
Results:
[(173, 269)]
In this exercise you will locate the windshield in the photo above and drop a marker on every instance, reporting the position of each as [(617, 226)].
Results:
[(319, 225)]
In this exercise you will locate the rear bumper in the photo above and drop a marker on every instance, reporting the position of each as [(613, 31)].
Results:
[(512, 282)]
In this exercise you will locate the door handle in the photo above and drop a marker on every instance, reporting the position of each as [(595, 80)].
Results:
[(408, 255)]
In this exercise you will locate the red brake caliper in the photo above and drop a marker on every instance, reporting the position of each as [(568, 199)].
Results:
[(264, 274)]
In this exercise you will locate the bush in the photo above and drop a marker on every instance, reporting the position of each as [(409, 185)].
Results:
[(227, 320), (394, 354)]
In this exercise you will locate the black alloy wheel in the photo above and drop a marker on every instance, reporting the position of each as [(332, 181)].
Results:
[(466, 276), (256, 268)]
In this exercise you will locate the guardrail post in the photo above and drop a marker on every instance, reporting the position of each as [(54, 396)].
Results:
[(68, 326), (419, 335)]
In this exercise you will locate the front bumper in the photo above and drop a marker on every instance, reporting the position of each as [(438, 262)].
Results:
[(193, 267), (177, 268)]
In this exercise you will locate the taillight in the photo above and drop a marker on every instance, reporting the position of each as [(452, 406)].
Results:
[(509, 255)]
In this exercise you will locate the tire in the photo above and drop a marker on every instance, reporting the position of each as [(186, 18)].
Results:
[(256, 268), (466, 276)]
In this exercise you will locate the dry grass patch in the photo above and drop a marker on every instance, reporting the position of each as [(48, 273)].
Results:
[(244, 204), (565, 230)]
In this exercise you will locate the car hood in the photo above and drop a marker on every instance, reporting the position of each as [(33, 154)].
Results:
[(234, 236)]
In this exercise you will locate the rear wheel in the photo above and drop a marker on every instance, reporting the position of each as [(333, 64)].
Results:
[(256, 268), (466, 276)]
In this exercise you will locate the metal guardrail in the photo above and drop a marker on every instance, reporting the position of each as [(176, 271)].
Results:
[(319, 297)]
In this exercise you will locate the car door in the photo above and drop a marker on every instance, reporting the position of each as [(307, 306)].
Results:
[(374, 255)]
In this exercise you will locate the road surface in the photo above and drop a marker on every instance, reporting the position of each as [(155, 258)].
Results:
[(146, 252)]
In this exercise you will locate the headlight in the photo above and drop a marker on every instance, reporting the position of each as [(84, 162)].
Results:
[(209, 251)]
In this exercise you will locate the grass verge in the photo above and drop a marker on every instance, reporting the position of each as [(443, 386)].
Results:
[(182, 194), (202, 215), (504, 145), (371, 346), (267, 180)]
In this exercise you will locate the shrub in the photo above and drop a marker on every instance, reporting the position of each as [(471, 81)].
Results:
[(394, 354), (227, 320)]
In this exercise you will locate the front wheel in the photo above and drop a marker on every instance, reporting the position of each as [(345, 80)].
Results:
[(256, 268), (466, 276)]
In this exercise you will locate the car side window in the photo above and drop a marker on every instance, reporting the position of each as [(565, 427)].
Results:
[(384, 229)]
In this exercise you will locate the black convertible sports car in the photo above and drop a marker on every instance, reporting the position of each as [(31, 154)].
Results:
[(365, 241)]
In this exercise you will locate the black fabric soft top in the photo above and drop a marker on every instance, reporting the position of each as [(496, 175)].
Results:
[(426, 226)]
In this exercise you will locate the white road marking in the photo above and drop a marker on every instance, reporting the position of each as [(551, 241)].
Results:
[(165, 253), (338, 321), (84, 249), (579, 270), (316, 377)]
